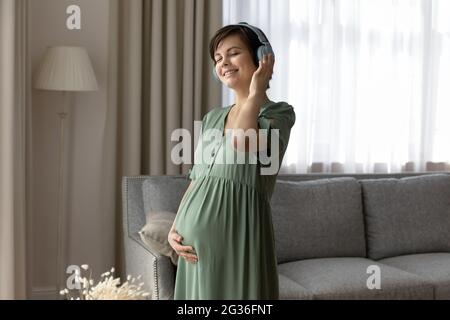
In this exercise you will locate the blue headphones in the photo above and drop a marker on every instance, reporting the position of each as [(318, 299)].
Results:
[(264, 48)]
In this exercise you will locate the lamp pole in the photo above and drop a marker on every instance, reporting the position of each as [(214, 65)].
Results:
[(61, 240)]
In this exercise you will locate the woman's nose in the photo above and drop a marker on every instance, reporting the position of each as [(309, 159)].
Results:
[(225, 61)]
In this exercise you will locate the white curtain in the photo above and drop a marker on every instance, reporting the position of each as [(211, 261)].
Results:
[(13, 118), (369, 81)]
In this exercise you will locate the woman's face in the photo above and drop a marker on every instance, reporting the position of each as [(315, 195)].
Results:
[(234, 63)]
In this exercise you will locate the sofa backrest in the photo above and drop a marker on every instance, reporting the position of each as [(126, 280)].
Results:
[(407, 216), (161, 193), (318, 219), (332, 212), (142, 194)]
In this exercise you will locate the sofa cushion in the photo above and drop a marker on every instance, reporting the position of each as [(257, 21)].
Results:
[(318, 219), (291, 290), (432, 266), (407, 216), (347, 278)]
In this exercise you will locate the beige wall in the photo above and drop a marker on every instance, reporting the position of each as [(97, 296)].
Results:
[(90, 233)]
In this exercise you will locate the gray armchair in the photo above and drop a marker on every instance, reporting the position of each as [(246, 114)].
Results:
[(158, 272)]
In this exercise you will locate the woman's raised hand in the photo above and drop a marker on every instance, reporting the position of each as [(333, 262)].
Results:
[(262, 76), (187, 252)]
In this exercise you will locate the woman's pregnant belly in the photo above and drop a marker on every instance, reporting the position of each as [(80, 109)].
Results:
[(197, 221)]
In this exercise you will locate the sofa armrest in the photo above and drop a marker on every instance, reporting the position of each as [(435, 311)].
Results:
[(158, 272)]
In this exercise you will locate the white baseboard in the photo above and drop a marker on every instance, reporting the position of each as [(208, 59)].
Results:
[(44, 293)]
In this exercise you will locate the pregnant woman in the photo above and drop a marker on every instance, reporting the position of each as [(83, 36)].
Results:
[(223, 229)]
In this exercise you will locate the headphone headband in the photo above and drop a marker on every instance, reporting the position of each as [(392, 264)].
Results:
[(261, 37)]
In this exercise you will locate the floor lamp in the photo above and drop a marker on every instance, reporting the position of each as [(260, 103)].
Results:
[(66, 69)]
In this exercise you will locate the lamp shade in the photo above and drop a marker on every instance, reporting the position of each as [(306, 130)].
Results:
[(66, 68)]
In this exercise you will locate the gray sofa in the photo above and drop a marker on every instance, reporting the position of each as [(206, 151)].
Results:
[(370, 236)]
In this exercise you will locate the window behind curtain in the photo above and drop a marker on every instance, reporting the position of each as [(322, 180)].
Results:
[(369, 81)]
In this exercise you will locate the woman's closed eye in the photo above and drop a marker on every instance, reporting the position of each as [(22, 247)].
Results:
[(231, 55)]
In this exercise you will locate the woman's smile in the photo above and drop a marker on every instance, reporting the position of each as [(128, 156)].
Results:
[(230, 73)]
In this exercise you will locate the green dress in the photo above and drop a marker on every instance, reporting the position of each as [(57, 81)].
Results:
[(226, 215)]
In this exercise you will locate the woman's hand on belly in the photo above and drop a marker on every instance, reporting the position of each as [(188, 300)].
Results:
[(187, 252)]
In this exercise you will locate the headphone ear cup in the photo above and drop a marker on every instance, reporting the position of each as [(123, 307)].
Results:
[(262, 50)]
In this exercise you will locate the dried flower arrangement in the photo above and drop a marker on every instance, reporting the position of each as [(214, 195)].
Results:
[(109, 288)]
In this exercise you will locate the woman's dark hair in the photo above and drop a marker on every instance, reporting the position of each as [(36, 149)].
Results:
[(247, 36)]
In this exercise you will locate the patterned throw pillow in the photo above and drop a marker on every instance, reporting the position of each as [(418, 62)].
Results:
[(155, 232)]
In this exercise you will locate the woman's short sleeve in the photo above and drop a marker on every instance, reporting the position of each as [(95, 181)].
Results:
[(279, 116)]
